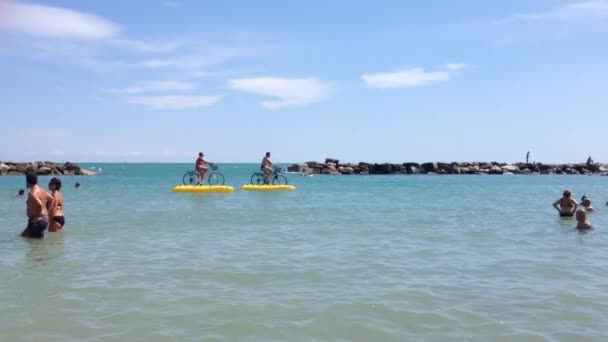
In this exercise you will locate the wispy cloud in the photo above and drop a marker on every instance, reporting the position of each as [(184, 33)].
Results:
[(175, 102), (171, 3), (155, 86), (410, 77), (289, 92), (574, 11), (54, 22)]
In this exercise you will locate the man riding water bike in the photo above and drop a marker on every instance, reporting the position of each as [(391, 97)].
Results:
[(200, 167), (267, 167)]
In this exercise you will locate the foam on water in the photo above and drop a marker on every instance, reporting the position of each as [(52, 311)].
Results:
[(342, 258)]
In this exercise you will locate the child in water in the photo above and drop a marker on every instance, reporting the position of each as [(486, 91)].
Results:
[(581, 220), (586, 203)]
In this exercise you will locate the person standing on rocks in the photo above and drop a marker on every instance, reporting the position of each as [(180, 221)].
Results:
[(528, 157), (267, 167), (39, 203)]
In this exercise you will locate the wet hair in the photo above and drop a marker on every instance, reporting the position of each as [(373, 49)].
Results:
[(56, 182), (267, 154), (21, 192), (77, 185), (31, 179), (567, 193), (200, 154)]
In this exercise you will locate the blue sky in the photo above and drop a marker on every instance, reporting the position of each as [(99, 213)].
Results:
[(370, 80)]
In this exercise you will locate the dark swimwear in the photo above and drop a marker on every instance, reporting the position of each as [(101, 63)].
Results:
[(566, 214), (59, 219), (35, 229)]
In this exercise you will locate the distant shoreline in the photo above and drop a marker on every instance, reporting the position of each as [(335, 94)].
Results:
[(334, 167), (45, 168)]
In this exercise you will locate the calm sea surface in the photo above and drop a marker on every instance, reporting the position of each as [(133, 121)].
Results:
[(361, 258)]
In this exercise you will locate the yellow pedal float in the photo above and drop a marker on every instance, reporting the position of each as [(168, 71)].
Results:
[(202, 188), (252, 187)]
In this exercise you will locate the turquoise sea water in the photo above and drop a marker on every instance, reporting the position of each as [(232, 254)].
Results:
[(361, 258)]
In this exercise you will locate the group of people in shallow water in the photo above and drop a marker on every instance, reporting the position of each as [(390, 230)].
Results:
[(44, 210), (568, 207)]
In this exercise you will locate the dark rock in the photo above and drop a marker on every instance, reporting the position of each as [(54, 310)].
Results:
[(381, 169), (332, 161), (44, 171), (495, 170), (429, 167), (346, 170), (300, 168)]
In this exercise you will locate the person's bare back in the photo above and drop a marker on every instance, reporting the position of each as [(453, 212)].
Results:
[(38, 205)]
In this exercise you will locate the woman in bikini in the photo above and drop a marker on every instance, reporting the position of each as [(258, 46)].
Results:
[(566, 206), (57, 218)]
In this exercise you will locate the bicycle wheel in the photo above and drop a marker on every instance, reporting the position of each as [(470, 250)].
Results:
[(279, 180), (190, 178), (216, 178), (257, 178)]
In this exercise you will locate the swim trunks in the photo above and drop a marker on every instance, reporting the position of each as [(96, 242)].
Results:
[(566, 214), (59, 219), (35, 228)]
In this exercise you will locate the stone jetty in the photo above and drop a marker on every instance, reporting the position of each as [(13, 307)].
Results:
[(43, 169), (334, 167)]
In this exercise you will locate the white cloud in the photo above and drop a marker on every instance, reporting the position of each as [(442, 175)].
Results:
[(410, 77), (155, 46), (56, 22), (171, 4), (175, 102), (578, 10), (455, 66), (154, 86), (290, 92)]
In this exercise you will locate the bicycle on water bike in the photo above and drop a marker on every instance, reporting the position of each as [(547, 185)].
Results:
[(276, 178), (213, 177)]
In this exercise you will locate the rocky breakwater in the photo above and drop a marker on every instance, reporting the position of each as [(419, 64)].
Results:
[(43, 169), (334, 167)]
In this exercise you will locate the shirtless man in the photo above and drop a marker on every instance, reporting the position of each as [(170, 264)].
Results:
[(200, 167), (566, 206), (57, 219), (39, 204), (266, 167), (581, 220)]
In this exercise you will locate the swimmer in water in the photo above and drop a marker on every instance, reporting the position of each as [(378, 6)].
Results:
[(21, 193), (39, 203), (586, 203), (566, 206), (57, 219), (581, 220), (77, 185)]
